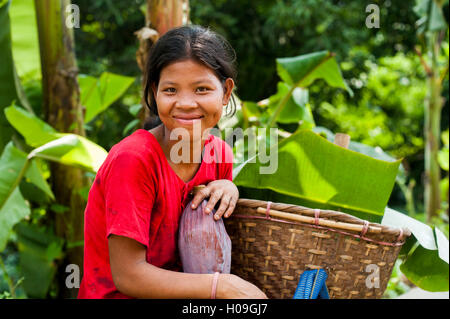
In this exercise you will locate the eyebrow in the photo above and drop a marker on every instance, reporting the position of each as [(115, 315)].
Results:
[(196, 82)]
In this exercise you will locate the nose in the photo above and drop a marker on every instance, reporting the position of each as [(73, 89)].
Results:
[(186, 101)]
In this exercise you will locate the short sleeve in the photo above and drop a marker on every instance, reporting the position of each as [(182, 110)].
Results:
[(129, 191)]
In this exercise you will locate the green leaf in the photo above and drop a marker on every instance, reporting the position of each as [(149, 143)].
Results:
[(12, 212), (297, 107), (25, 41), (443, 154), (8, 90), (35, 131), (421, 232), (73, 150), (98, 94), (134, 109), (130, 126), (303, 70), (319, 174), (37, 253), (59, 209), (65, 148), (444, 186), (35, 176), (374, 152), (426, 270), (445, 137), (12, 205), (431, 16), (426, 263)]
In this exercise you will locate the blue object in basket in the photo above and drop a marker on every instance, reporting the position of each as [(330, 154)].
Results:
[(312, 285)]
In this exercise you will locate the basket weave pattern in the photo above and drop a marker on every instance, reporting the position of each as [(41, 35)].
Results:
[(273, 254)]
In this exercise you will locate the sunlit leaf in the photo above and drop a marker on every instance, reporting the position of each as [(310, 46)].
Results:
[(316, 173), (303, 70), (12, 204), (25, 42), (73, 150), (98, 94)]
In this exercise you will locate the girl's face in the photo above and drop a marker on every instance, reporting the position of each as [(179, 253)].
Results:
[(190, 93)]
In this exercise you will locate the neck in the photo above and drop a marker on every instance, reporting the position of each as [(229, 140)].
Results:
[(177, 150)]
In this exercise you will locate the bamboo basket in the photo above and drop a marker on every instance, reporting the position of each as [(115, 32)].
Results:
[(273, 243)]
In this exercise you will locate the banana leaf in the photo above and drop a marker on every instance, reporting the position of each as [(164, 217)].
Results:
[(65, 148), (13, 206), (319, 174), (25, 40), (431, 16), (97, 95), (425, 261), (8, 91), (38, 251), (303, 70)]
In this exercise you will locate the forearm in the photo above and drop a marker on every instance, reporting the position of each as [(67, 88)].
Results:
[(149, 281)]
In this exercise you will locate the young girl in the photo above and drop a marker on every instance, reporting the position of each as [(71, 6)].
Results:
[(141, 190)]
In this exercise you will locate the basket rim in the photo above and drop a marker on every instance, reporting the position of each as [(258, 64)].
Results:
[(324, 214)]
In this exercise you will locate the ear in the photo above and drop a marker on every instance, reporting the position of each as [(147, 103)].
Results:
[(228, 88)]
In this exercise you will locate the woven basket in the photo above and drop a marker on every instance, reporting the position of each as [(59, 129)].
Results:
[(272, 247)]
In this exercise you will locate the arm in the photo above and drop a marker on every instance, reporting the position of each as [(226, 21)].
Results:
[(134, 277)]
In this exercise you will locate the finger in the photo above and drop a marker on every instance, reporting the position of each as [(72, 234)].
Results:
[(230, 209), (213, 199), (224, 202), (200, 196)]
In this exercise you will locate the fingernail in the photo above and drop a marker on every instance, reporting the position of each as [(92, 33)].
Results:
[(193, 206), (216, 217), (207, 210)]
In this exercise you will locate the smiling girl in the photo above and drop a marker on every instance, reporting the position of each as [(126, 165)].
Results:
[(141, 190)]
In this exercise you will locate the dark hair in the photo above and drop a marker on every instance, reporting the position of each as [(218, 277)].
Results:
[(183, 43)]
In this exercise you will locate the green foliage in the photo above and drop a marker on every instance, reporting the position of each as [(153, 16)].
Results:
[(431, 16), (385, 112), (39, 250), (390, 112), (323, 175), (264, 30), (8, 89), (13, 206), (69, 149), (97, 95), (426, 252), (25, 40), (105, 41)]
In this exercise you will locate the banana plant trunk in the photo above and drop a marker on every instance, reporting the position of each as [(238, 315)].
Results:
[(433, 108), (161, 16), (63, 111)]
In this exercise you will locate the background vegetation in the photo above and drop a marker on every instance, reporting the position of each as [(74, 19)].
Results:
[(380, 66)]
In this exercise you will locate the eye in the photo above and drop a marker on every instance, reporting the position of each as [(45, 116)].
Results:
[(202, 89), (169, 90)]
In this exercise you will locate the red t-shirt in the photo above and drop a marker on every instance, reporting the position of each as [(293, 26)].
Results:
[(137, 194)]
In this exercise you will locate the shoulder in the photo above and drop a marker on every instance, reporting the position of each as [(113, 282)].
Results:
[(135, 151), (140, 142)]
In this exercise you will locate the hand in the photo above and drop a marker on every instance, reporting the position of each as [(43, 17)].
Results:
[(233, 287), (222, 189)]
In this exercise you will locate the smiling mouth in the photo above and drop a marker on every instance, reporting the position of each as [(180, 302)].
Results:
[(187, 120)]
